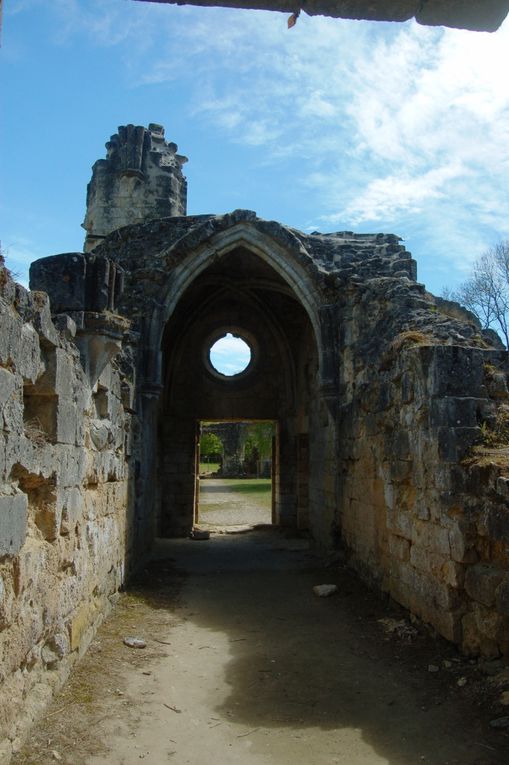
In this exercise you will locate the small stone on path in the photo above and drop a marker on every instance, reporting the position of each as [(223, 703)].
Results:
[(324, 590), (134, 642), (500, 722)]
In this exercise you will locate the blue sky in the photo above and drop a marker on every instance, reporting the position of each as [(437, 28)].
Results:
[(230, 355), (332, 125)]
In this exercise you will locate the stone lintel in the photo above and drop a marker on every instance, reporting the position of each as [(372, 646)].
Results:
[(461, 14)]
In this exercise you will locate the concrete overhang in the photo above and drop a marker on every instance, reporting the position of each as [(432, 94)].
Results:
[(477, 15)]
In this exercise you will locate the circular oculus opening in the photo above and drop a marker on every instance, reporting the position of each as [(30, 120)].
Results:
[(230, 355)]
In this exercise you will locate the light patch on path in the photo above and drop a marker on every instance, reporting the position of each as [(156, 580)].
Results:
[(220, 505)]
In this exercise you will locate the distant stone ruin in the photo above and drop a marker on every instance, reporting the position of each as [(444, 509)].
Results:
[(392, 409)]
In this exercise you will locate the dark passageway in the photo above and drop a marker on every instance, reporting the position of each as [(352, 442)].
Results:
[(244, 665)]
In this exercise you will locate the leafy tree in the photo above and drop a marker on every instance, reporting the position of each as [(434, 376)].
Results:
[(486, 292), (211, 447), (259, 437)]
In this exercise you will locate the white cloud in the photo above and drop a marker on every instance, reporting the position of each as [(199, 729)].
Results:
[(387, 197), (380, 123)]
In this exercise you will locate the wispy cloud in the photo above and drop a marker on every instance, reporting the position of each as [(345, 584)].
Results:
[(400, 127), (388, 118)]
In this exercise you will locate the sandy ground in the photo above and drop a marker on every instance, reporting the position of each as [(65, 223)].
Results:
[(245, 665), (221, 506)]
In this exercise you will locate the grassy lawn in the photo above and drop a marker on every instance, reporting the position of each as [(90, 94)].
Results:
[(235, 500), (209, 467), (258, 489)]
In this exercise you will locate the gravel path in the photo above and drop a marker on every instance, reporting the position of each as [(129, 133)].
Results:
[(244, 665), (220, 505)]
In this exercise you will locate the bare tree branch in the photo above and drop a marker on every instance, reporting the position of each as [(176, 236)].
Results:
[(486, 292)]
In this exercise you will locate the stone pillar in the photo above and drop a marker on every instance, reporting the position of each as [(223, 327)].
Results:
[(140, 179)]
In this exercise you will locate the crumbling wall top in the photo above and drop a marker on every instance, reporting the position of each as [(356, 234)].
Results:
[(140, 179)]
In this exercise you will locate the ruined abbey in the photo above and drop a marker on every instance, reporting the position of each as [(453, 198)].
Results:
[(392, 412)]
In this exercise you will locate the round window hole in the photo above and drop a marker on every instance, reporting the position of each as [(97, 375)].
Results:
[(230, 355)]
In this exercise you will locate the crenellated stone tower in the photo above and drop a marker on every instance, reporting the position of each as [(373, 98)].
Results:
[(140, 179)]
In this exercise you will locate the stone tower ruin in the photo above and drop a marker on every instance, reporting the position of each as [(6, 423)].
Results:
[(141, 178), (392, 409)]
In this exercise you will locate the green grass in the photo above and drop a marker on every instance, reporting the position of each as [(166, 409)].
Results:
[(209, 467), (258, 490), (249, 485)]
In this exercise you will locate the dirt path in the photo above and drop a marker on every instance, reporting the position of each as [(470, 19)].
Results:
[(221, 505), (244, 665)]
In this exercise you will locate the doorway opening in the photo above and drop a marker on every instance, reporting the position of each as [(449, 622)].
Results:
[(236, 473)]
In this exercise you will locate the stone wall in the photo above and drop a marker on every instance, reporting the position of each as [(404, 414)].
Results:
[(401, 419), (423, 446), (63, 497)]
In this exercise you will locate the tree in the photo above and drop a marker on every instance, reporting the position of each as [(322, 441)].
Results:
[(259, 437), (211, 447), (486, 292)]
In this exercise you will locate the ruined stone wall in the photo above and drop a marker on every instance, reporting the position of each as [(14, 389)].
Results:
[(64, 488), (400, 415), (423, 467)]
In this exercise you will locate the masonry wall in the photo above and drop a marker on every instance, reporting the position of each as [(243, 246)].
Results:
[(64, 488), (424, 470)]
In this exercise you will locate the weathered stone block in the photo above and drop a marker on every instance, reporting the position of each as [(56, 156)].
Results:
[(481, 582), (71, 505), (454, 442), (503, 487), (67, 420), (13, 522), (454, 412), (460, 540), (41, 319), (400, 470), (454, 370), (58, 377), (407, 388), (453, 574), (399, 547), (10, 334), (484, 631), (431, 536), (400, 523), (28, 362), (11, 406), (101, 433), (502, 596), (80, 624), (65, 325), (495, 522), (427, 560), (400, 445), (7, 386)]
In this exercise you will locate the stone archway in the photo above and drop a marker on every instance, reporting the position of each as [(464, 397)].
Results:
[(236, 291)]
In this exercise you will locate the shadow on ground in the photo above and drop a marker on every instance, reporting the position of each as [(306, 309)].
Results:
[(302, 662)]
